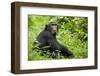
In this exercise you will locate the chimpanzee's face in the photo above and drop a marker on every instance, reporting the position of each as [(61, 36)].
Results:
[(54, 29)]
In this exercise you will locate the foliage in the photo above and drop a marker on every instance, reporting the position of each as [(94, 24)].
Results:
[(73, 33)]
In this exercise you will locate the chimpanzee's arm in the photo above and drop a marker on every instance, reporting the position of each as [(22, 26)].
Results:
[(55, 45)]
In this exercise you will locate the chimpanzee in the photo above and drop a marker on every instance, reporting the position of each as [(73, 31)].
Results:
[(47, 38)]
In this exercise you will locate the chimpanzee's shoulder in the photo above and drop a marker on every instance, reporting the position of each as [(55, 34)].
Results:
[(46, 34)]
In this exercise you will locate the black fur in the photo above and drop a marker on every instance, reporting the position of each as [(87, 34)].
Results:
[(46, 38)]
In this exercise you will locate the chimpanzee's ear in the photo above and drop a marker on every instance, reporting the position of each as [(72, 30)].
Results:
[(46, 26), (58, 26)]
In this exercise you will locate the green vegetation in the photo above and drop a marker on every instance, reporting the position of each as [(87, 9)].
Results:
[(73, 33)]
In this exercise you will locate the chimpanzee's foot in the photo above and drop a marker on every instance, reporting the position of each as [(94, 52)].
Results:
[(71, 55)]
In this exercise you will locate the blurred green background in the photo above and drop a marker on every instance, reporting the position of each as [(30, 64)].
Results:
[(73, 33)]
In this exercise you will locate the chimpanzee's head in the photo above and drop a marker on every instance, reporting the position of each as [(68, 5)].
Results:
[(52, 27)]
